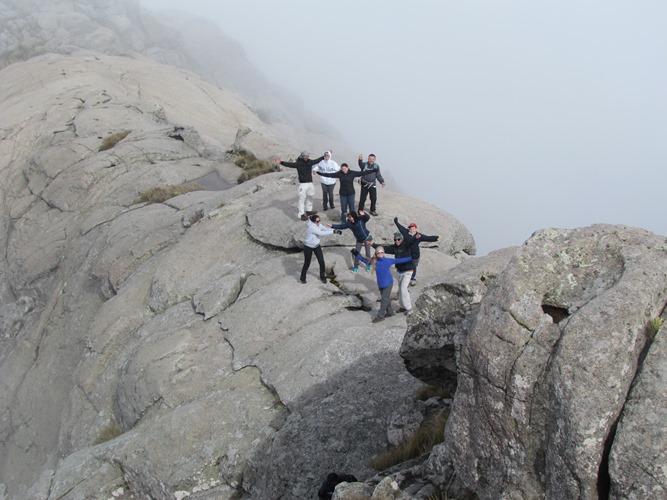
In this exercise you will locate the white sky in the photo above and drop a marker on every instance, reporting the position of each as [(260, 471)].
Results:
[(511, 115)]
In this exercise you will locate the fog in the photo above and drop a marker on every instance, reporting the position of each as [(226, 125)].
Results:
[(513, 116)]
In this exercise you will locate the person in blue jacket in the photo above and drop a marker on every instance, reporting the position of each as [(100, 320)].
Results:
[(382, 268), (356, 221)]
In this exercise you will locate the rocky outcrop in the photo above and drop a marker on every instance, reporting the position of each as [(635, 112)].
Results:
[(169, 349), (553, 388)]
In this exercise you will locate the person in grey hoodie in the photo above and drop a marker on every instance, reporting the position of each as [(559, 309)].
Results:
[(314, 231), (327, 166)]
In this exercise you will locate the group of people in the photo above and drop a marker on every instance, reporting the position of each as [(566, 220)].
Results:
[(405, 247), (405, 250), (369, 177)]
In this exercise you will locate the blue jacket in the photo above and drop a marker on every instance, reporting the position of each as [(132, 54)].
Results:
[(361, 233), (383, 269)]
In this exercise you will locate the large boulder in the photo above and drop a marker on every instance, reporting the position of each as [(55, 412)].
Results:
[(553, 376)]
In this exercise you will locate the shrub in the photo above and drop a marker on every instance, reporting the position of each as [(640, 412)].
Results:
[(111, 140), (252, 166), (654, 325), (428, 434), (331, 274), (162, 194)]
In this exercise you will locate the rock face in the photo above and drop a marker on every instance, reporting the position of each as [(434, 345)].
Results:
[(169, 350), (152, 349), (558, 381)]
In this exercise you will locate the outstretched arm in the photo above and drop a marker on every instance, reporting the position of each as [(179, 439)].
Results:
[(404, 230)]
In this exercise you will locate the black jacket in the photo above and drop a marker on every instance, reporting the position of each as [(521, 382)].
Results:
[(346, 180), (303, 167), (400, 251), (412, 241)]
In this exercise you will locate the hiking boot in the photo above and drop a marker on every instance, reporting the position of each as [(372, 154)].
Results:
[(355, 269), (413, 282), (377, 320), (374, 213), (402, 309), (304, 217), (368, 268)]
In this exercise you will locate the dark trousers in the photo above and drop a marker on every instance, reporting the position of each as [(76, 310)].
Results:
[(327, 195), (385, 303), (368, 191), (346, 206), (308, 255)]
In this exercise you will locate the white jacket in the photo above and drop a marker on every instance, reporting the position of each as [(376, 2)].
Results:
[(328, 167), (314, 232)]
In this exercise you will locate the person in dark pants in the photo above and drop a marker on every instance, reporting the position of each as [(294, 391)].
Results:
[(412, 238), (382, 268), (304, 167), (371, 176), (357, 224), (314, 232), (346, 190)]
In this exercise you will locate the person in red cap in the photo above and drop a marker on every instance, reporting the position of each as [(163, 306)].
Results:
[(412, 239)]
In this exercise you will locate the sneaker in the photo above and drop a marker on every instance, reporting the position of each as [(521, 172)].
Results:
[(374, 213), (355, 269), (325, 209), (402, 309), (323, 280), (413, 282), (377, 320), (310, 212), (368, 268), (332, 206), (303, 281), (304, 217)]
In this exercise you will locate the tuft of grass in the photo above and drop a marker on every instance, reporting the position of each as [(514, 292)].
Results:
[(108, 433), (162, 194), (428, 434), (654, 325), (331, 274), (111, 140), (427, 392), (252, 166)]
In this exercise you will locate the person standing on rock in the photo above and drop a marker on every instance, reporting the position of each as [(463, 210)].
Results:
[(346, 190), (404, 269), (382, 268), (412, 239), (304, 167), (314, 232), (328, 183), (371, 176), (357, 223)]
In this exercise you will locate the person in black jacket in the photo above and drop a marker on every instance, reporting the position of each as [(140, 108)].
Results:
[(346, 190), (371, 176), (405, 270), (304, 167), (412, 238)]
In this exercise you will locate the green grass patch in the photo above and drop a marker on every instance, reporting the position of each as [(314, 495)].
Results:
[(653, 326), (162, 194), (252, 166), (108, 433), (427, 435), (111, 140)]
